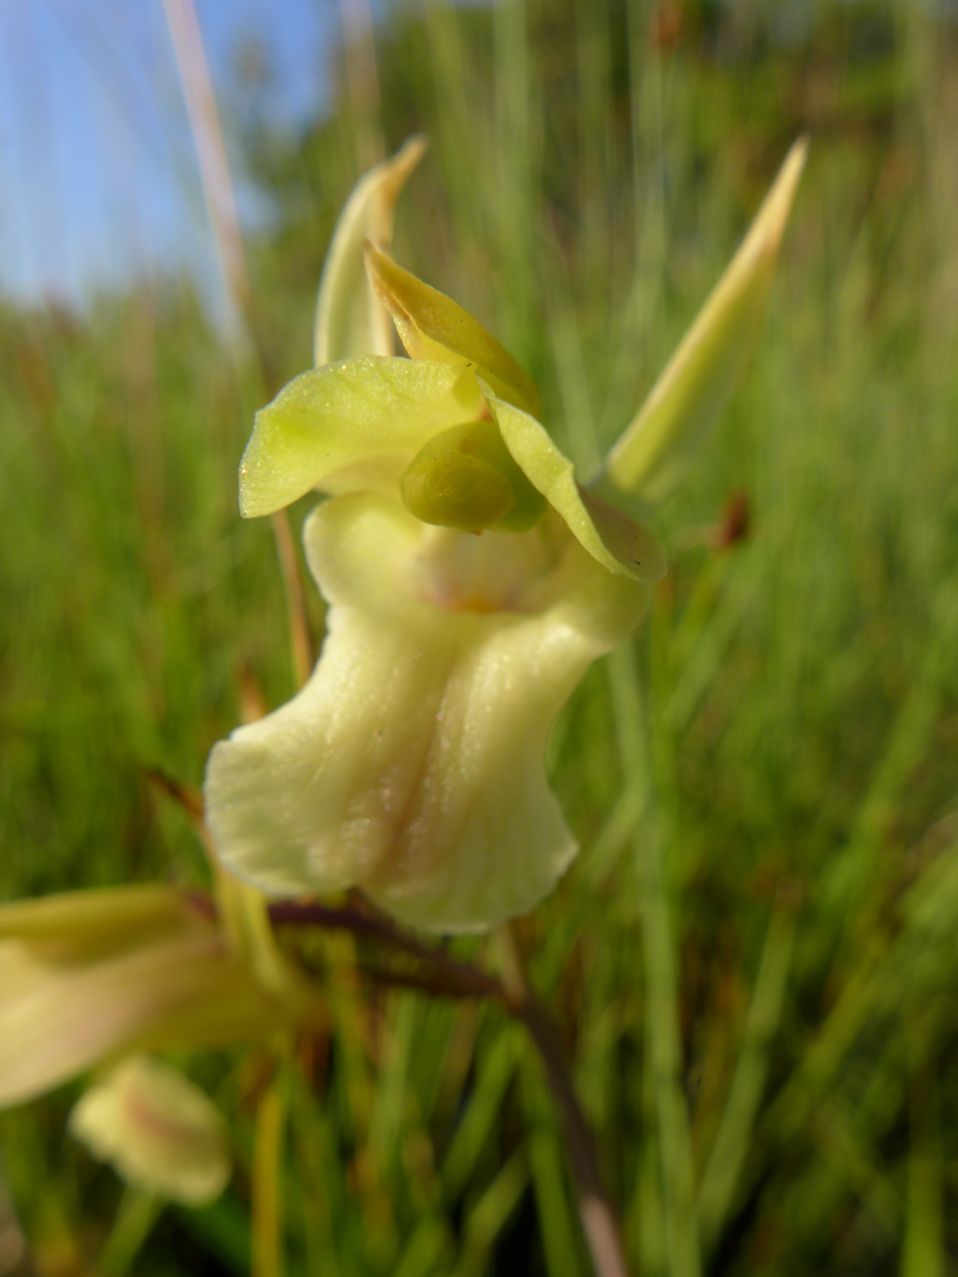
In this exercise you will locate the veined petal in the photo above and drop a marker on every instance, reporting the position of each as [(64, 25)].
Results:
[(157, 1129), (350, 318), (612, 538), (433, 326), (350, 425), (412, 762)]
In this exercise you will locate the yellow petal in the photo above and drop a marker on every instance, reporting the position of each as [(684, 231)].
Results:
[(411, 764), (433, 326), (157, 1130), (350, 319), (351, 425), (614, 540), (681, 408)]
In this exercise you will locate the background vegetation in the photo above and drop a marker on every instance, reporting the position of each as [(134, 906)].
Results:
[(769, 769)]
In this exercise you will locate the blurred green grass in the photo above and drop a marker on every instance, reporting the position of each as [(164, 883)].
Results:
[(753, 960)]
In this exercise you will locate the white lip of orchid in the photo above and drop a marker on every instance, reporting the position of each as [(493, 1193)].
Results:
[(412, 763), (488, 572)]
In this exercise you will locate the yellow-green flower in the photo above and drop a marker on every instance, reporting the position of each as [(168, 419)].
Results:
[(157, 1129), (93, 975), (471, 581)]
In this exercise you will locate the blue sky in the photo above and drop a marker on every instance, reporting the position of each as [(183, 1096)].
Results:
[(98, 176)]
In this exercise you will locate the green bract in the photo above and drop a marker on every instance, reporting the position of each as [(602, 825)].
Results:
[(661, 441), (350, 320)]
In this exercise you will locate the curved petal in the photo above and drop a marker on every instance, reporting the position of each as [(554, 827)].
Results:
[(350, 425), (157, 1129), (613, 539), (350, 318), (412, 762), (433, 326)]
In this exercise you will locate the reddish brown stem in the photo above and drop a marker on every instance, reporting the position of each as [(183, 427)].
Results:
[(599, 1221), (447, 977)]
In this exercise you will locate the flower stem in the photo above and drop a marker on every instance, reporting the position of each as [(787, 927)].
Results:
[(599, 1222), (441, 975), (296, 618), (135, 1218), (267, 1224)]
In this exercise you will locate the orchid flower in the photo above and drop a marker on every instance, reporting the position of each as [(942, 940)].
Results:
[(471, 581), (91, 976), (157, 1129)]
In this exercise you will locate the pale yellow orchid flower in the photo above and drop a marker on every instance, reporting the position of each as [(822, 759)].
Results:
[(91, 976), (471, 581), (157, 1129)]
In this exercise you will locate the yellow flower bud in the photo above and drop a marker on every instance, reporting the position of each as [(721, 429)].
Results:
[(157, 1130)]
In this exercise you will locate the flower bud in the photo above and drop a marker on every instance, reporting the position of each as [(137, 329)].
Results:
[(157, 1130)]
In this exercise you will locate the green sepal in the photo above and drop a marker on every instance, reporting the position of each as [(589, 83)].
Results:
[(614, 540), (433, 326), (350, 426)]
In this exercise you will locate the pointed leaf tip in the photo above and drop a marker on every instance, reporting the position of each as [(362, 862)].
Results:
[(769, 225), (684, 403)]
